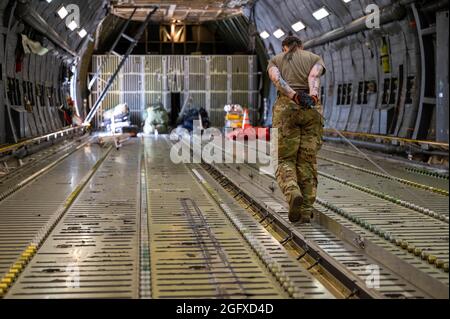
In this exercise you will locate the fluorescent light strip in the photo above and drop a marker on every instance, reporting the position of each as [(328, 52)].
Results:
[(82, 33), (321, 13), (264, 35), (62, 12), (298, 26), (279, 33), (72, 25)]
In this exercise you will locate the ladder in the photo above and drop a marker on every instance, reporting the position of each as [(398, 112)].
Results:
[(133, 42), (111, 51)]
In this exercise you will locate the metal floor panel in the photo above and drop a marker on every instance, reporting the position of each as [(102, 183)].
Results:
[(93, 252), (422, 231), (26, 212), (397, 169), (436, 202), (37, 161), (407, 225), (391, 285), (195, 250), (145, 227), (306, 285)]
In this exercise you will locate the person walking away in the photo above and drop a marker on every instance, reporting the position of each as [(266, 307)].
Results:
[(297, 115)]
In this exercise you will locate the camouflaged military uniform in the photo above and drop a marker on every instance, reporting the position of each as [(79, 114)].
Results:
[(300, 132)]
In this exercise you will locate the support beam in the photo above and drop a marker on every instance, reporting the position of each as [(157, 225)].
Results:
[(387, 15), (111, 80), (31, 17)]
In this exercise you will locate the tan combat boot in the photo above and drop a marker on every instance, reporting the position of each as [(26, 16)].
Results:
[(306, 216), (295, 207)]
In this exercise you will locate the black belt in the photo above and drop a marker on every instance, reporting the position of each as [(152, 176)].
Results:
[(297, 91)]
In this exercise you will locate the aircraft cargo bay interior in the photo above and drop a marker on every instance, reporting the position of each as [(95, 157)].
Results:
[(235, 149)]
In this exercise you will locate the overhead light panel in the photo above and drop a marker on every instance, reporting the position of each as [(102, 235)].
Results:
[(49, 1), (278, 34), (298, 26), (264, 35), (62, 12), (72, 25), (321, 13), (346, 1), (82, 33)]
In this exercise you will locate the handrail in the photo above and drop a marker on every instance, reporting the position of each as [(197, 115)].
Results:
[(11, 148), (391, 138)]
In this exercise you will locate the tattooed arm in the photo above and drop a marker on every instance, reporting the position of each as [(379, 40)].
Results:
[(314, 79), (280, 83)]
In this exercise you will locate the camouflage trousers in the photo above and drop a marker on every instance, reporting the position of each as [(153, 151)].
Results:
[(300, 132)]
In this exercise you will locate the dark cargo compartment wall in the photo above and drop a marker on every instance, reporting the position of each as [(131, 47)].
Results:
[(391, 79), (210, 82), (2, 92), (33, 87)]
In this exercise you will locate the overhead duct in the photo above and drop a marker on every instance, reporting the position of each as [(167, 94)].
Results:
[(433, 7), (31, 17), (387, 15)]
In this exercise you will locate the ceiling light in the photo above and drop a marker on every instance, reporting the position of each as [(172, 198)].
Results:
[(264, 35), (62, 12), (298, 26), (346, 1), (321, 13), (48, 1), (72, 25), (278, 34), (82, 33)]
